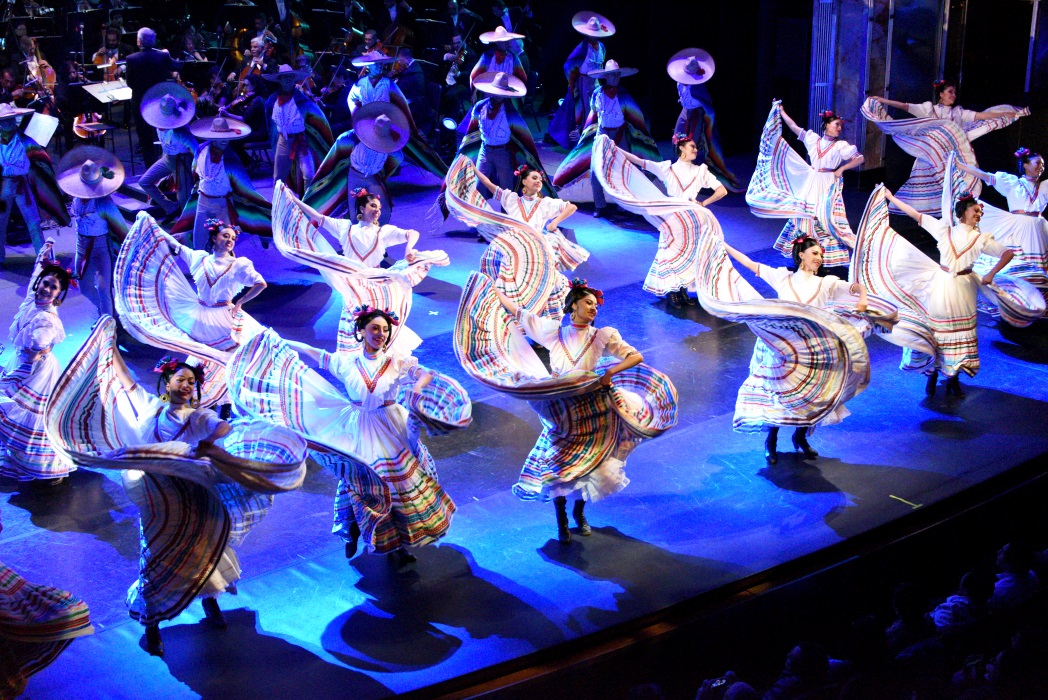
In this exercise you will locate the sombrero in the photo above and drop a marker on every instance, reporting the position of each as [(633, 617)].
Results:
[(90, 172), (381, 126), (168, 106), (592, 24), (500, 84), (611, 67), (285, 69), (217, 128), (9, 111), (500, 34), (371, 58), (691, 66)]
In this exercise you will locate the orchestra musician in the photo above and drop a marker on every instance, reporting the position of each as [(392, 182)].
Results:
[(111, 52), (254, 63), (370, 44)]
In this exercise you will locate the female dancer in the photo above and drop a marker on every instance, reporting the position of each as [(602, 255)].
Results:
[(945, 106), (683, 179), (1022, 227), (541, 214), (940, 126), (949, 290), (409, 508), (805, 287), (197, 500), (366, 240), (30, 376), (819, 187), (555, 469), (205, 322)]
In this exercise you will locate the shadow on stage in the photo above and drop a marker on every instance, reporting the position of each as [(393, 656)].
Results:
[(610, 555), (240, 662), (400, 628), (81, 504)]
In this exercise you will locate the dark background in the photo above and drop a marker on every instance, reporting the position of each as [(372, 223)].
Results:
[(762, 51)]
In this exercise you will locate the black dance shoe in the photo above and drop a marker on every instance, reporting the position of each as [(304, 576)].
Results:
[(351, 544), (563, 533), (674, 299), (580, 518), (154, 644), (800, 443), (771, 447), (953, 387), (933, 382), (213, 613)]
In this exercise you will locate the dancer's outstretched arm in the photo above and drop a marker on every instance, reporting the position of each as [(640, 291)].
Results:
[(906, 208)]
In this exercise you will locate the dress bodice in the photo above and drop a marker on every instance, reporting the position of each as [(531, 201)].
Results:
[(803, 286), (827, 154), (371, 383), (961, 245), (574, 347), (218, 281)]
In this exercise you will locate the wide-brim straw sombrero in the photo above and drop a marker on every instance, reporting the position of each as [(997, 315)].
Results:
[(168, 106), (89, 172), (500, 34), (381, 126), (501, 84), (285, 69), (219, 128), (9, 111), (691, 66), (592, 24), (371, 58), (612, 67)]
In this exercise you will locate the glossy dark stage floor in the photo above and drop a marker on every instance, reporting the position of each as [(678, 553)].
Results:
[(703, 508)]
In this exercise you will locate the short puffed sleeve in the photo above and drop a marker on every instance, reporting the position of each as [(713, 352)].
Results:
[(660, 169), (246, 274), (920, 110), (337, 363), (846, 150), (933, 226), (204, 422), (390, 235), (543, 331), (993, 247), (706, 179), (775, 276), (614, 345), (46, 330), (407, 369)]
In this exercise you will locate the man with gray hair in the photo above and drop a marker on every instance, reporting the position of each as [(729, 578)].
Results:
[(145, 68)]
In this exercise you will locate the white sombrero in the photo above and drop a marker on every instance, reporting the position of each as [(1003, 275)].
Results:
[(381, 126), (592, 24), (371, 58), (285, 69), (500, 84), (611, 67), (218, 128), (691, 66), (168, 106), (9, 111), (500, 34), (89, 172)]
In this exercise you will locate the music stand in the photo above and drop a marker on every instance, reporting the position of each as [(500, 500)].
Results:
[(109, 94), (41, 128)]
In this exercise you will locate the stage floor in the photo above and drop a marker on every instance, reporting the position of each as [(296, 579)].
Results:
[(702, 510)]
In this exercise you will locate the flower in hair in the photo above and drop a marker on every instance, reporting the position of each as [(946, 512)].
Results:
[(361, 310), (1022, 152), (938, 83), (965, 196), (359, 192), (580, 284), (167, 363), (214, 224), (393, 318), (679, 138)]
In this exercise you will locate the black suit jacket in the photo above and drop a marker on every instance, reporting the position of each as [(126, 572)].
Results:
[(147, 68)]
